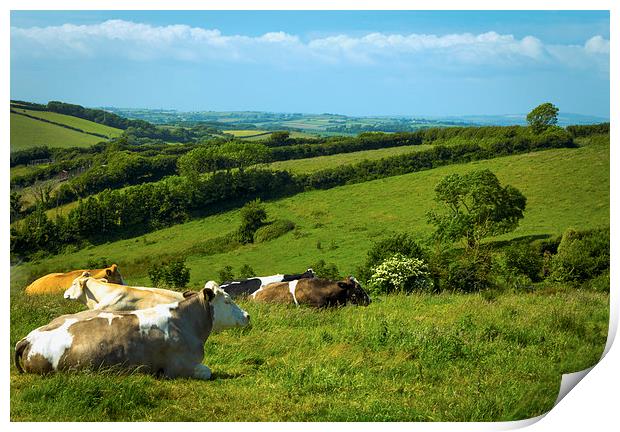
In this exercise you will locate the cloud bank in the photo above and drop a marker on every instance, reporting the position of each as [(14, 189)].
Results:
[(119, 39)]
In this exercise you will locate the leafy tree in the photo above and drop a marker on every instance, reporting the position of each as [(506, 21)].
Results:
[(279, 138), (325, 270), (543, 116), (253, 216), (475, 206), (242, 155)]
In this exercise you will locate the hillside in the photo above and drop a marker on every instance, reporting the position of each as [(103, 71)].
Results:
[(27, 132), (564, 187)]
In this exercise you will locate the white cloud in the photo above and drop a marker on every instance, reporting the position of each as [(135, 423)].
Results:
[(137, 41)]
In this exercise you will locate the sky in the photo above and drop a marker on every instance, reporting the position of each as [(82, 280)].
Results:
[(433, 63)]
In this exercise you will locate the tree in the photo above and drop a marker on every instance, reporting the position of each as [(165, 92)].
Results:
[(15, 206), (475, 206), (543, 116), (253, 216), (242, 155)]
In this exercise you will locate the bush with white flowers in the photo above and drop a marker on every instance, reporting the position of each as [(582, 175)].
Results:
[(400, 274)]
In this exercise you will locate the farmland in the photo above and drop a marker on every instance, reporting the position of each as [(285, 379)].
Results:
[(27, 132), (399, 359), (85, 125)]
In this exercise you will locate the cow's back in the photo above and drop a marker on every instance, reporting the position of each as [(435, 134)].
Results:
[(278, 292), (59, 282)]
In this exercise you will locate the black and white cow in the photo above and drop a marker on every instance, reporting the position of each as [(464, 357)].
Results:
[(245, 287)]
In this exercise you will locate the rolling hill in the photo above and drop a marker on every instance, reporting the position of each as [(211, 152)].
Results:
[(36, 128)]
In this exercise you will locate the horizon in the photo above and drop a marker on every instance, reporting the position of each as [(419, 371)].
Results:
[(429, 64)]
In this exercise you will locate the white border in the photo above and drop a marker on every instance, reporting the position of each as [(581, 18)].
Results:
[(593, 405)]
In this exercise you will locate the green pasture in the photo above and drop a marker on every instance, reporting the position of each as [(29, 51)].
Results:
[(76, 122), (564, 188), (27, 132), (422, 357), (309, 165), (445, 357)]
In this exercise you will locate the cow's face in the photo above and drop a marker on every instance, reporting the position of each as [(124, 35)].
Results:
[(76, 290), (226, 313), (112, 275), (355, 294)]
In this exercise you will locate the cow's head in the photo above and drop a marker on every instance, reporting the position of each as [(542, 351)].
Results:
[(310, 274), (226, 313), (112, 275), (76, 290), (354, 292)]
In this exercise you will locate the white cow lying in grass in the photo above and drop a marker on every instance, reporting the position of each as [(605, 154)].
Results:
[(167, 339), (98, 294)]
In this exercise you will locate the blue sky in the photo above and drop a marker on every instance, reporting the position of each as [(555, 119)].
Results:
[(350, 62)]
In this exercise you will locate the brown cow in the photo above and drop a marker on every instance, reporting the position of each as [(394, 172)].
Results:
[(314, 292), (59, 282), (166, 340)]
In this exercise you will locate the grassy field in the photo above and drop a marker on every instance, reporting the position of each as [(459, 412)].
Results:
[(76, 122), (564, 187), (27, 132), (448, 357), (322, 162), (416, 358), (259, 134)]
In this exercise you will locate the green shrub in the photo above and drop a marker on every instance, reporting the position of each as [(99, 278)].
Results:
[(273, 230), (95, 263), (226, 274), (170, 274), (526, 259), (400, 274), (253, 216), (399, 243), (467, 274), (325, 270), (246, 272), (581, 255)]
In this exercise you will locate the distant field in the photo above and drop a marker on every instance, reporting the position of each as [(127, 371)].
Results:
[(322, 162), (27, 132), (259, 135), (564, 188), (25, 169), (76, 122)]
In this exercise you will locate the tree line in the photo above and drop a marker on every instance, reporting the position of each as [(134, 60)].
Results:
[(151, 206)]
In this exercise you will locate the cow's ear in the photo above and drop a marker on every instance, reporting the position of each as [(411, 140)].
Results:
[(187, 294), (209, 294), (113, 267)]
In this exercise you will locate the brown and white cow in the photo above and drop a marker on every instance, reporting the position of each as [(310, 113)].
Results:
[(166, 340), (314, 292), (58, 282)]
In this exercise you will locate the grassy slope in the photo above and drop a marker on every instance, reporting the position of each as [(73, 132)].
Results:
[(322, 162), (421, 357), (565, 188), (85, 125), (27, 132)]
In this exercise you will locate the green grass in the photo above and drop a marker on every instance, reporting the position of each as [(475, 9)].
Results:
[(27, 132), (260, 135), (322, 162), (423, 357), (76, 122), (416, 358)]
